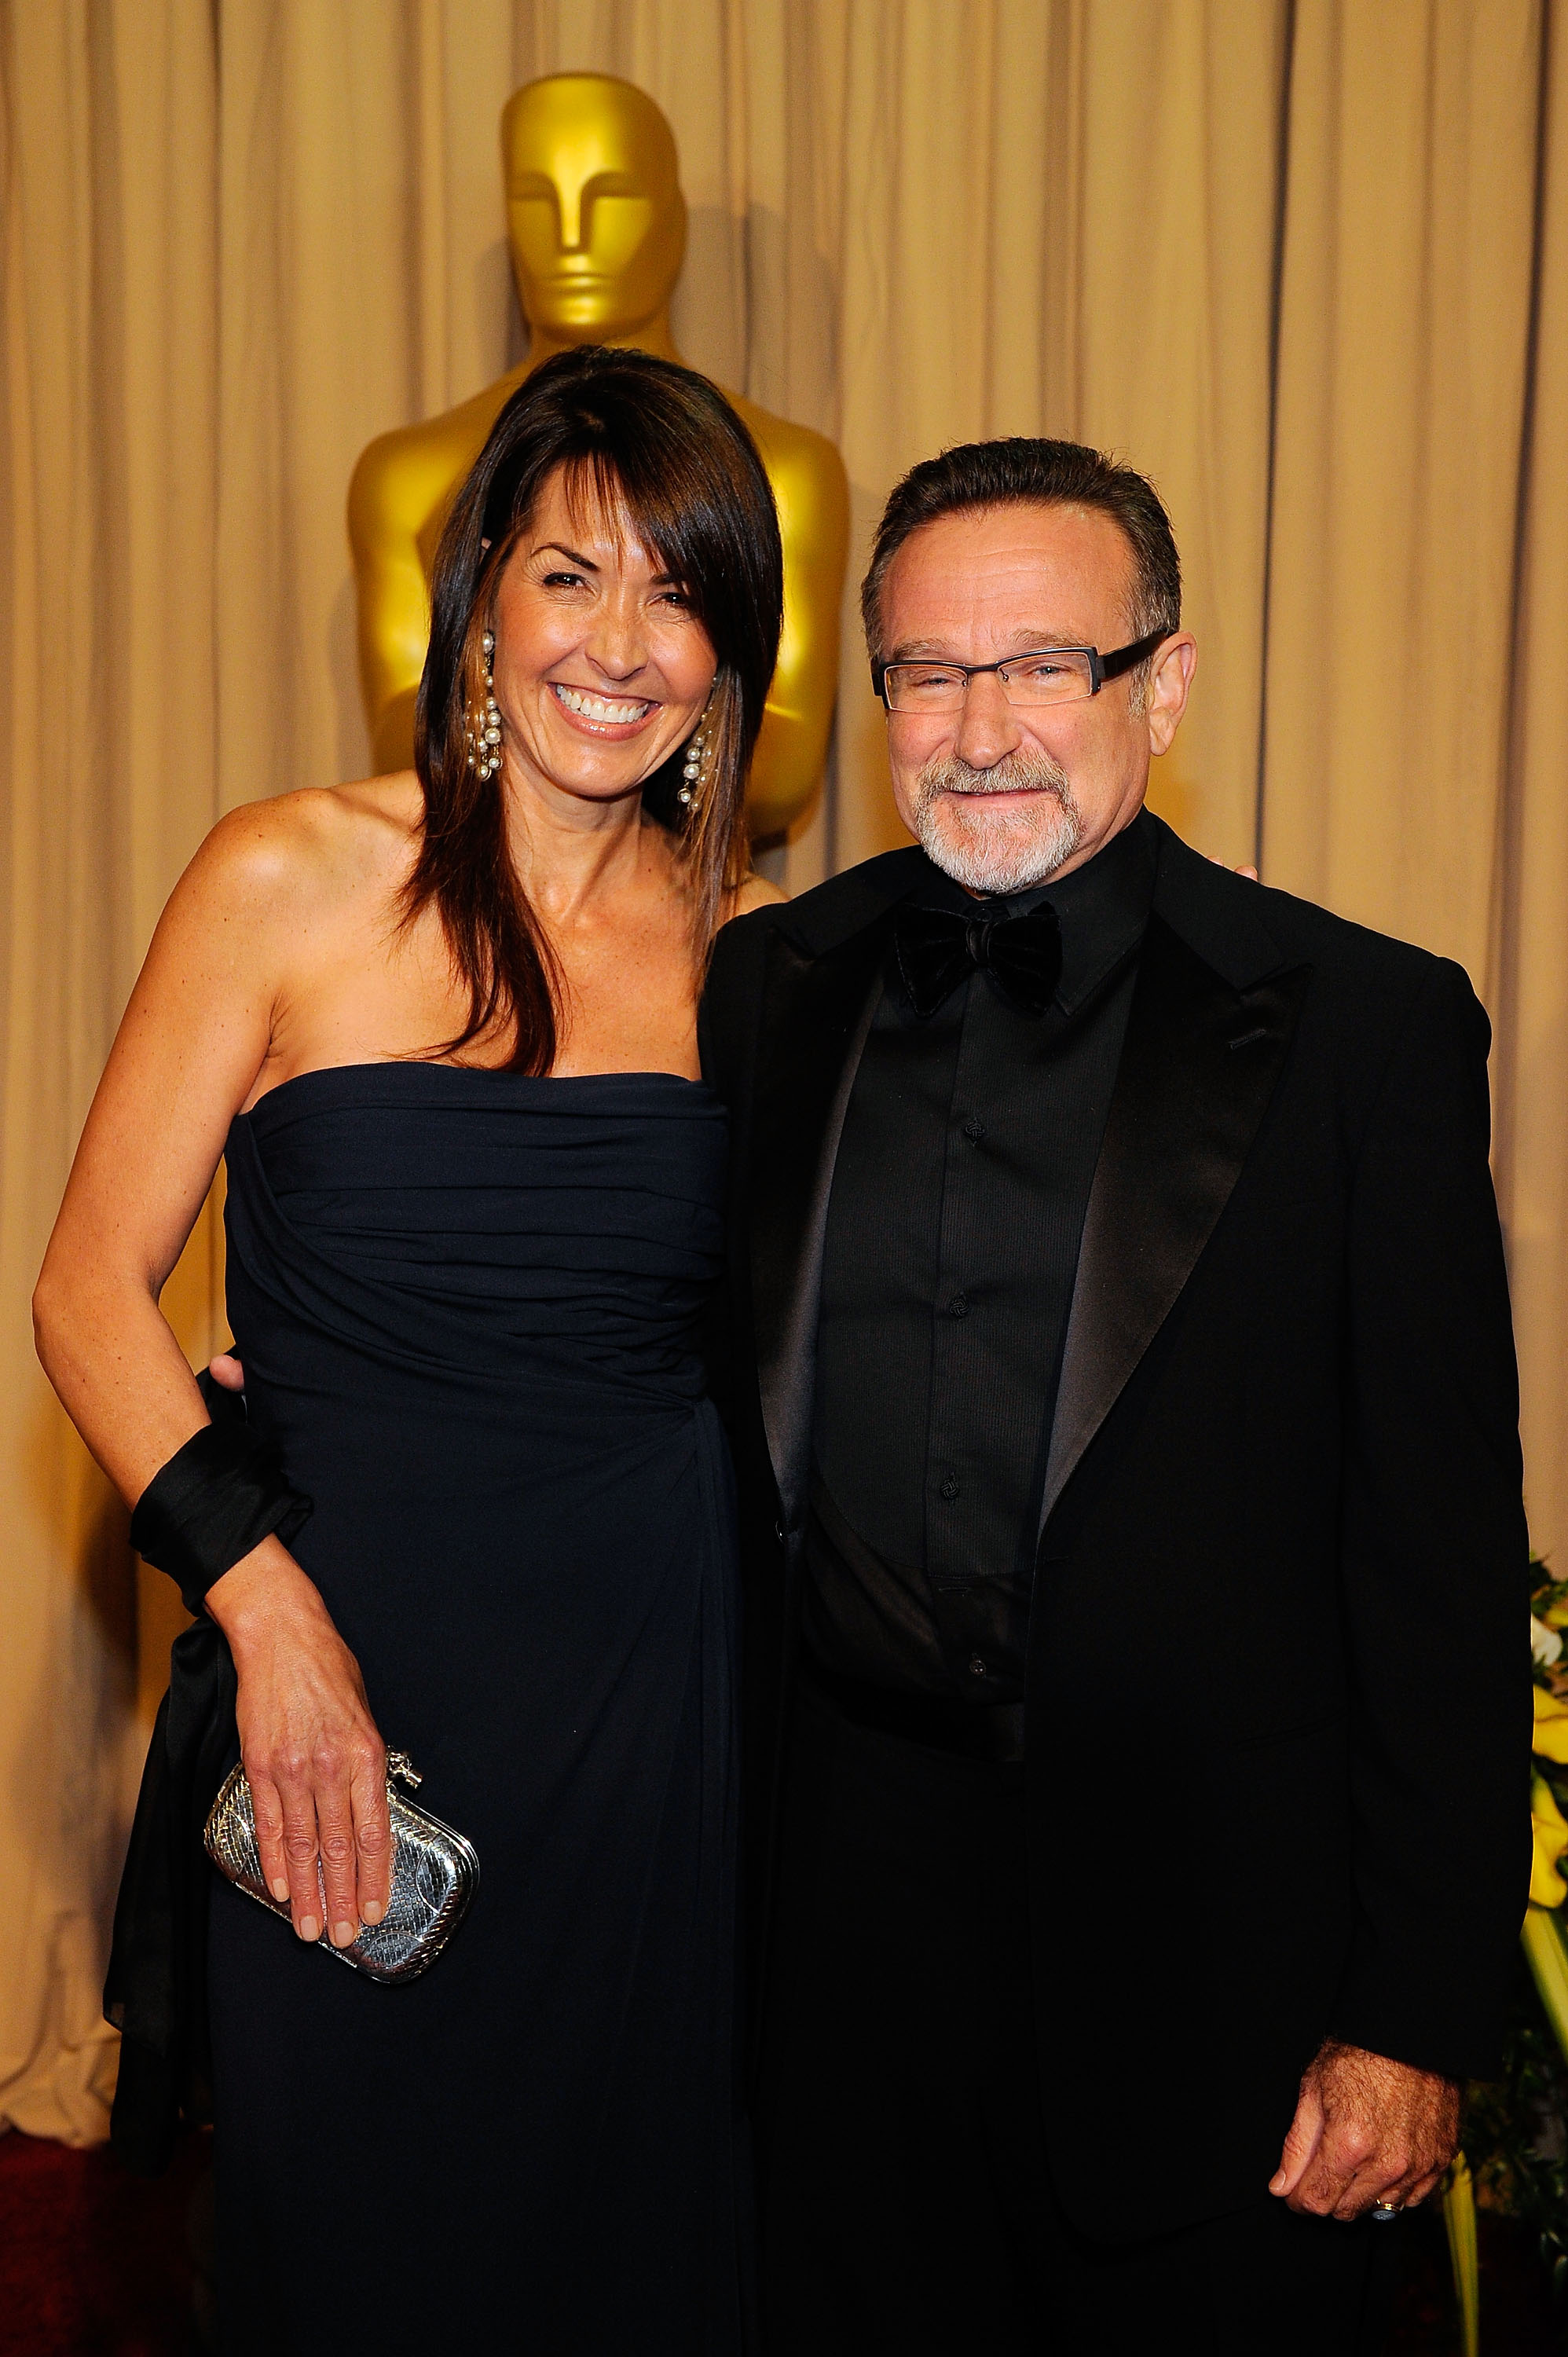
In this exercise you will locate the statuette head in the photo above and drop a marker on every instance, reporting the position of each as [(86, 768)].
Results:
[(596, 220)]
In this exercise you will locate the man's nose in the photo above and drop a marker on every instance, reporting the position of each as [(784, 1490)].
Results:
[(988, 726)]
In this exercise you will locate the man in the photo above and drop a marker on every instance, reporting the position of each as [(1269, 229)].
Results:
[(1131, 1493)]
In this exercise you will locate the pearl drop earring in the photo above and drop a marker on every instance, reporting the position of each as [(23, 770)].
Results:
[(485, 740), (694, 767)]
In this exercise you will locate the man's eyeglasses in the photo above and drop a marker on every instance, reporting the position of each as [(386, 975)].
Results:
[(1045, 675)]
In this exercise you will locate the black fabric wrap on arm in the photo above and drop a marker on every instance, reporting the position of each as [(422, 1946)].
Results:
[(217, 1497)]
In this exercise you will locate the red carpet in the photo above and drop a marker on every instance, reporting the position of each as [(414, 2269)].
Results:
[(93, 2262)]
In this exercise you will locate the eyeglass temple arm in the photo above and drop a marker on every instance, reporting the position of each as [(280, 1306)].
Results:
[(1120, 659)]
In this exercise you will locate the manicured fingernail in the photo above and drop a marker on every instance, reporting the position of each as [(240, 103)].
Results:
[(309, 1929), (342, 1934), (280, 1889), (1277, 2180), (374, 1910)]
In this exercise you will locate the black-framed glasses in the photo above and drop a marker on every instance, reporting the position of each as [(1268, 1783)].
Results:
[(1044, 676)]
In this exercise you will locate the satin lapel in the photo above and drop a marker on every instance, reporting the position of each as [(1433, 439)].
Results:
[(1198, 1067), (816, 1015)]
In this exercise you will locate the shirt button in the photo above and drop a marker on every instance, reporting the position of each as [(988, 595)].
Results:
[(976, 1666), (949, 1486), (973, 1130), (959, 1305)]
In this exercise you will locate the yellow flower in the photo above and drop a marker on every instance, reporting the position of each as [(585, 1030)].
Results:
[(1550, 1736), (1547, 1887)]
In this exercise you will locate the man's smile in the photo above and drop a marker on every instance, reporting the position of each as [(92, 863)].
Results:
[(995, 793)]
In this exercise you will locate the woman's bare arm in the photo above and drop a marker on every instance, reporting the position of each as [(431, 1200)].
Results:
[(194, 1038)]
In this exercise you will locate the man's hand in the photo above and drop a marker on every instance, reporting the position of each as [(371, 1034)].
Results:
[(225, 1369), (1366, 2130)]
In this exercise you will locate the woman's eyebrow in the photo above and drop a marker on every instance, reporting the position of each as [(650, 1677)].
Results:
[(572, 554)]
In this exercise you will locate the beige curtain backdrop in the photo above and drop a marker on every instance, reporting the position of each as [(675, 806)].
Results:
[(1305, 264)]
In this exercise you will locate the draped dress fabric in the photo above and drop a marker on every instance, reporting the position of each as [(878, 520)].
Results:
[(465, 1303)]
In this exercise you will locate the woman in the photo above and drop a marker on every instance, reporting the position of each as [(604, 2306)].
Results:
[(441, 1027)]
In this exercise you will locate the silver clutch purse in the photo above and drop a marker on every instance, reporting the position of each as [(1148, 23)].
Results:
[(434, 1876)]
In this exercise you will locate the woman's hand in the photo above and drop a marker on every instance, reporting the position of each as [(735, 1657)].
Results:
[(311, 1751)]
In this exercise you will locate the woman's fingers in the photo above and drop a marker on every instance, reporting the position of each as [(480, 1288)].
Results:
[(267, 1808), (373, 1837), (324, 1838), (300, 1847), (335, 1833), (354, 1833)]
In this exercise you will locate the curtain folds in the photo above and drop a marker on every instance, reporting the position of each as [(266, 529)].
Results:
[(1305, 262)]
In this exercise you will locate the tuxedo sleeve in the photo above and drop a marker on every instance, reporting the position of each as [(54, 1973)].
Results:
[(1435, 1559), (723, 1013)]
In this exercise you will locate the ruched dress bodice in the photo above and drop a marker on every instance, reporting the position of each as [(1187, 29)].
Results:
[(466, 1304)]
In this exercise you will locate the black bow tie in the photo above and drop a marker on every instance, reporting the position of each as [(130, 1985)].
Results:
[(937, 950)]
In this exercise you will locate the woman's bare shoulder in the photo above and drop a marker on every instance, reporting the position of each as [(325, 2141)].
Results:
[(297, 852), (756, 892)]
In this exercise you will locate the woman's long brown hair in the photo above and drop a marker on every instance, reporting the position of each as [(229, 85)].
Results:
[(660, 444)]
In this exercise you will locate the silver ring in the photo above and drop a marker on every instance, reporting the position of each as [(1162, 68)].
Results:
[(1383, 2211)]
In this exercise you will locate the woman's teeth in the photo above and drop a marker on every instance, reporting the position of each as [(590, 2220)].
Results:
[(599, 707)]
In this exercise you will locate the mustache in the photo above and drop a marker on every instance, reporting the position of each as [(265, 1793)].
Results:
[(1020, 772)]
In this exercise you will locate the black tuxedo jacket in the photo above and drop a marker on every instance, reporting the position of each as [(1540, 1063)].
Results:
[(1278, 1702)]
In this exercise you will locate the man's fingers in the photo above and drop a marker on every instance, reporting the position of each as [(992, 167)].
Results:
[(226, 1371), (1387, 2130), (1406, 2188), (1350, 2171), (1380, 2179), (372, 1835), (1302, 2139), (267, 1809), (1421, 2191), (300, 1849), (1404, 2162)]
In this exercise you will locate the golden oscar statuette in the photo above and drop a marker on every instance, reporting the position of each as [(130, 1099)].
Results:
[(597, 227)]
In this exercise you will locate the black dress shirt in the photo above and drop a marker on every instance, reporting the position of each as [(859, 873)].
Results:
[(953, 1231)]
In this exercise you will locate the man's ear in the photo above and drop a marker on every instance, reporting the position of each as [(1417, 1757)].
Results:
[(1169, 684)]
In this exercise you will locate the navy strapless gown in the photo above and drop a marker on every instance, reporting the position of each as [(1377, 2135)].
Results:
[(466, 1304)]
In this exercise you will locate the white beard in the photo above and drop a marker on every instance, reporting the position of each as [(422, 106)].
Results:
[(1000, 846)]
